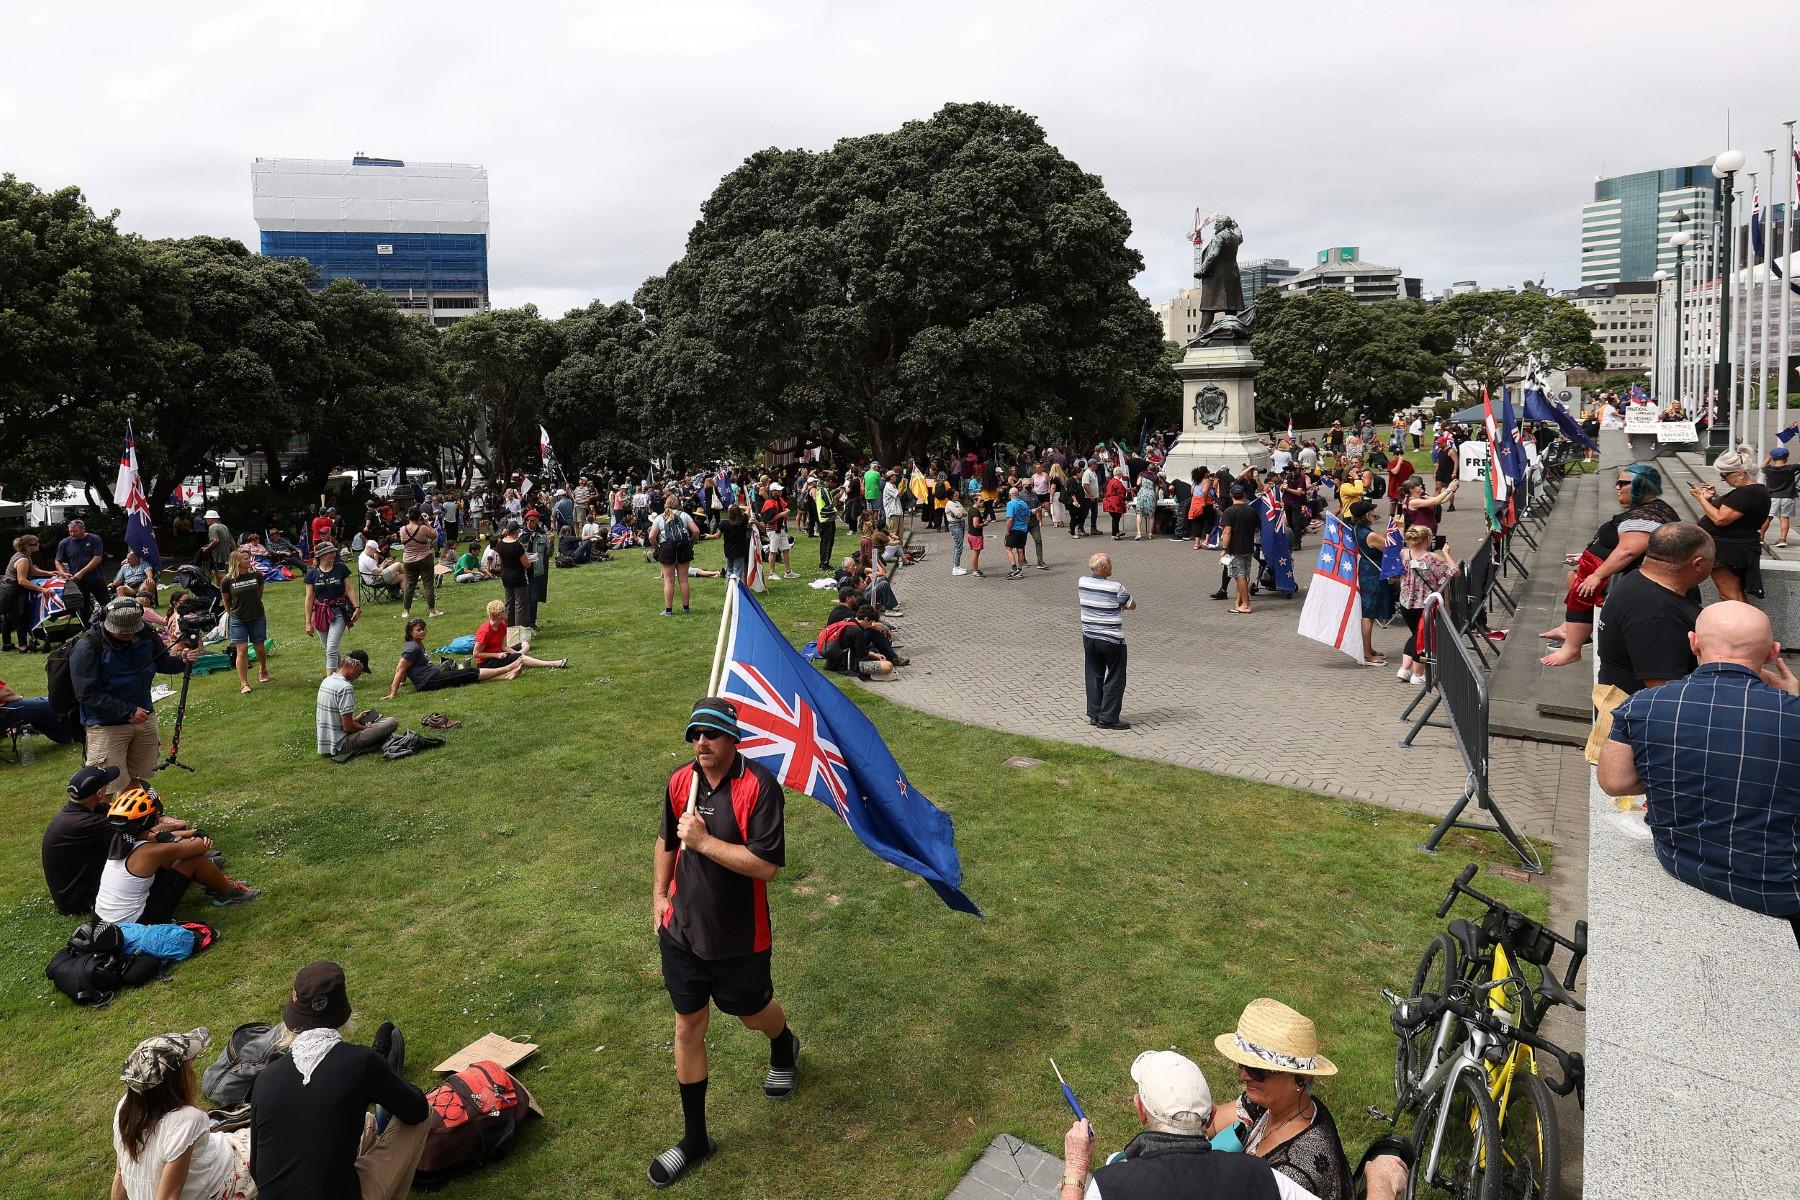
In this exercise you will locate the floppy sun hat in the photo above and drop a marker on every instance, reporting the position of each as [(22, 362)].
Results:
[(1270, 1036)]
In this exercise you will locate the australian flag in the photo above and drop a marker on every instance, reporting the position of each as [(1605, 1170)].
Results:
[(1539, 407), (813, 739), (1392, 565), (1276, 546), (128, 494)]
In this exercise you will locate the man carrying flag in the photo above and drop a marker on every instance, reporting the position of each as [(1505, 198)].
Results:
[(722, 844), (1496, 484)]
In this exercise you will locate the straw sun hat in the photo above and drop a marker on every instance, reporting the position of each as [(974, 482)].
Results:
[(1270, 1036)]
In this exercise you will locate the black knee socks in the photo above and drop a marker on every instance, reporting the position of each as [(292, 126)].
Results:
[(693, 1115), (781, 1049)]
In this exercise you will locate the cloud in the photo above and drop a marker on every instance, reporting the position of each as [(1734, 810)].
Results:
[(1453, 143)]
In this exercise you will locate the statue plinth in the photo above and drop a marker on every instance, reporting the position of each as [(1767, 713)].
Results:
[(1218, 410)]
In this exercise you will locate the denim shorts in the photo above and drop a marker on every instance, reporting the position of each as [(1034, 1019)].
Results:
[(256, 631)]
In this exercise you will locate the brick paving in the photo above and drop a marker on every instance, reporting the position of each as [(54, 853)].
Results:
[(1244, 696)]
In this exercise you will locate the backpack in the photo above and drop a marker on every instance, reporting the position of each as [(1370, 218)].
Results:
[(1377, 488), (60, 687), (675, 531), (407, 743), (249, 1050), (831, 637), (474, 1115), (92, 966)]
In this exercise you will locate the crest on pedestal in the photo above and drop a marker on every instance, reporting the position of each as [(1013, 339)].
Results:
[(1209, 406)]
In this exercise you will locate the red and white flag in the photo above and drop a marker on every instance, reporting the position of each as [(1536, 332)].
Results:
[(1333, 611), (753, 571)]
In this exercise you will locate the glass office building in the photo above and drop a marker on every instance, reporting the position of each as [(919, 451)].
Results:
[(417, 231), (1625, 231)]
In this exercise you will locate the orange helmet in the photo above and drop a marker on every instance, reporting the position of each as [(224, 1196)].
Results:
[(134, 809)]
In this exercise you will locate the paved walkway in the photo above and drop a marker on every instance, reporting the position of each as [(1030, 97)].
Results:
[(1238, 695)]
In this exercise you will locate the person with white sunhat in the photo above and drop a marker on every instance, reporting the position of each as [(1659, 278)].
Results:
[(1280, 1120)]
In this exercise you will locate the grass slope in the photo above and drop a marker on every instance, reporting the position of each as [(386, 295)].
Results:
[(503, 883)]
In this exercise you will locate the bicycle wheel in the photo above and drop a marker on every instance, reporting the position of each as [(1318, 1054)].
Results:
[(1439, 967), (1530, 1144), (1462, 1170)]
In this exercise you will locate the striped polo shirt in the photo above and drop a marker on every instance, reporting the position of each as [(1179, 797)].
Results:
[(1102, 608)]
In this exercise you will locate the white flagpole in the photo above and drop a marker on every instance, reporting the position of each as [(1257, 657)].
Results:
[(1762, 398), (1731, 349), (1745, 312), (1752, 334), (1787, 267), (725, 615), (1709, 271)]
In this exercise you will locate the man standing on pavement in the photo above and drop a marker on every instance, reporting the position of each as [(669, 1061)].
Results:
[(1018, 520), (722, 844), (1090, 491), (1242, 528), (1713, 754), (1103, 604), (338, 725), (111, 669), (80, 556)]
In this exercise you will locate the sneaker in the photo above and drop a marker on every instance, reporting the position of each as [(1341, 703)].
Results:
[(1778, 546), (668, 612), (894, 612), (434, 613), (953, 571), (1418, 681), (789, 575), (978, 574), (405, 615), (241, 893), (1043, 566), (1403, 673)]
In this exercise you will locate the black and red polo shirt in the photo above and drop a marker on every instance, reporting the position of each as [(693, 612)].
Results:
[(715, 912)]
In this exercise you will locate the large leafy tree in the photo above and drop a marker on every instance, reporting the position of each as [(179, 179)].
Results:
[(1324, 354), (84, 310), (378, 399), (494, 365), (588, 406), (1502, 336), (957, 276)]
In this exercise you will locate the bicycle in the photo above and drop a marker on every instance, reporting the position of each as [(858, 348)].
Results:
[(1467, 1054)]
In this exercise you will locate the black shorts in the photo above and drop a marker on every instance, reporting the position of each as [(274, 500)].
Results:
[(674, 554), (741, 987), (1015, 539)]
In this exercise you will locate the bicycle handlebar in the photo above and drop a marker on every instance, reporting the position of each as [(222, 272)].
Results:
[(1414, 1011), (1577, 947)]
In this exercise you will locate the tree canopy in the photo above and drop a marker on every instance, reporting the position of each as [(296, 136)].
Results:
[(1324, 353), (1501, 336), (955, 277)]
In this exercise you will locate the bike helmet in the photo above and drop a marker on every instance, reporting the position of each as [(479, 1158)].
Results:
[(134, 810)]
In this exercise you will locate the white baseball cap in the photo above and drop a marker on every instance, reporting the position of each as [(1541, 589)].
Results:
[(1173, 1089)]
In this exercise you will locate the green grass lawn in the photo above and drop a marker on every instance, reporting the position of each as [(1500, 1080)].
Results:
[(503, 883)]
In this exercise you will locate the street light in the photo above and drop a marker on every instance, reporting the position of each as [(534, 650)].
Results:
[(1657, 383), (1726, 164), (1679, 239)]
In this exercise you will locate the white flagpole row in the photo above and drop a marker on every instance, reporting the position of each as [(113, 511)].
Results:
[(1731, 350), (1762, 375), (1746, 316)]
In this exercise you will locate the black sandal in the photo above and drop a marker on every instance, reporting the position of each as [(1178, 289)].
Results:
[(676, 1162)]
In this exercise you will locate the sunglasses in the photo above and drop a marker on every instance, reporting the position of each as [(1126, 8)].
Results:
[(709, 735), (1256, 1074), (1621, 483)]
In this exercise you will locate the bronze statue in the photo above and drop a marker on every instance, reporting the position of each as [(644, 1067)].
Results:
[(1221, 286)]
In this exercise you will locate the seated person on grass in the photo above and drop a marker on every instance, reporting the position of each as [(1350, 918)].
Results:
[(468, 564), (870, 581), (426, 676), (880, 636), (31, 715), (491, 649), (78, 837), (847, 647), (147, 871), (134, 578), (339, 727)]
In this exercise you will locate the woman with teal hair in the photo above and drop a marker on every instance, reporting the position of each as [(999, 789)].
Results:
[(1617, 546)]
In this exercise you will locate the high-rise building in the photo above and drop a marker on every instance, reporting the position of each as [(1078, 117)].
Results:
[(417, 231), (1260, 273), (1180, 317), (1342, 268), (1624, 316), (1625, 231)]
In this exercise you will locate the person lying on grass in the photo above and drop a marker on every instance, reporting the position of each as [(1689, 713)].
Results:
[(491, 649), (415, 664)]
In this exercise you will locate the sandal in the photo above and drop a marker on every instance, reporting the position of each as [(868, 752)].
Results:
[(243, 689), (438, 721), (780, 1082), (676, 1162)]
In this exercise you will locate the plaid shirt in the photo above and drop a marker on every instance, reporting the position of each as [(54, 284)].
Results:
[(1714, 749)]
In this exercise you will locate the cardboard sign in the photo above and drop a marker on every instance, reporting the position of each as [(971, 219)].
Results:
[(489, 1048), (1676, 431), (1642, 418), (1472, 462)]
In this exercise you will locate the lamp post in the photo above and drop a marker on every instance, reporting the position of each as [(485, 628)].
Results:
[(1658, 377), (1679, 239), (1726, 165)]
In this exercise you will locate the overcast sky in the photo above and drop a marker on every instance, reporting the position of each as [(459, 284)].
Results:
[(1452, 143)]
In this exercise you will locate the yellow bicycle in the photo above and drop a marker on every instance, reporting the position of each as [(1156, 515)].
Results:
[(1468, 1051)]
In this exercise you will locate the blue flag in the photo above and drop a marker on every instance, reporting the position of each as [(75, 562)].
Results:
[(1539, 407), (1392, 567), (813, 739), (1787, 435), (1276, 547), (1510, 454)]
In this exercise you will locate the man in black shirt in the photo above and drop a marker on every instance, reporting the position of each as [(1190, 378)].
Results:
[(312, 1136), (722, 844), (1644, 625), (77, 839), (1242, 528)]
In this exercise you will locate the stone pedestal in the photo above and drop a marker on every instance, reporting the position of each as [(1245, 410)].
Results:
[(1218, 411)]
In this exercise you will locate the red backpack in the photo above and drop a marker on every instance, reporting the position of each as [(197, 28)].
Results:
[(474, 1115), (831, 635)]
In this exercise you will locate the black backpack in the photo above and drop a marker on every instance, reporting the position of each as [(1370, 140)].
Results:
[(93, 966), (675, 530), (59, 684), (251, 1049)]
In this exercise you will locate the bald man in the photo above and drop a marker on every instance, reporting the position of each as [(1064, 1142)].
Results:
[(1716, 754)]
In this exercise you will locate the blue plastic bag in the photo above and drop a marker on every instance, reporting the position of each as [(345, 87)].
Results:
[(170, 942), (462, 645)]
